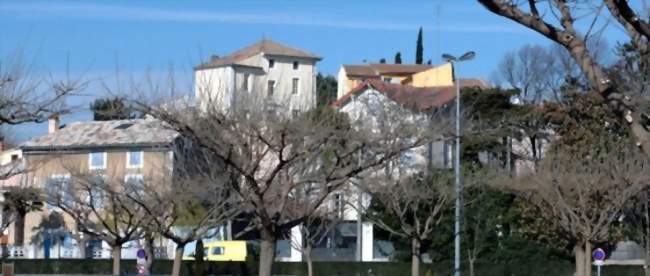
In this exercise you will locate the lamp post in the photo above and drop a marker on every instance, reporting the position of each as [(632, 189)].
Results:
[(457, 188)]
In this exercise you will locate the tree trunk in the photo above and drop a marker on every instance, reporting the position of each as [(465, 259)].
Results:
[(471, 261), (646, 269), (415, 257), (587, 260), (178, 259), (117, 256), (647, 254), (310, 264), (199, 259), (267, 253), (19, 228), (150, 249), (579, 254)]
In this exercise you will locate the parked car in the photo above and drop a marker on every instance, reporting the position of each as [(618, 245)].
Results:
[(226, 251)]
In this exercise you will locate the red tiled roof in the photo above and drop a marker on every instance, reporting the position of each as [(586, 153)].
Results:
[(417, 98), (377, 69), (265, 46)]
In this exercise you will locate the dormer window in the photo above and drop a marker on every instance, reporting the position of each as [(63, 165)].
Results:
[(295, 65), (271, 63)]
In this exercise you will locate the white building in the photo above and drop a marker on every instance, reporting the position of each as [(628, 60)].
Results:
[(262, 72), (365, 105)]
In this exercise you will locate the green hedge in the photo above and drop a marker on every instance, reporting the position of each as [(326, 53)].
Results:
[(86, 267)]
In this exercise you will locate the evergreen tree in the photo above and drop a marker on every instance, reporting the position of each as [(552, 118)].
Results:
[(111, 109), (419, 49), (325, 89), (382, 60), (398, 58)]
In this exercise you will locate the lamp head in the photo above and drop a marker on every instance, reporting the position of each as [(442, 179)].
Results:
[(448, 57), (467, 56)]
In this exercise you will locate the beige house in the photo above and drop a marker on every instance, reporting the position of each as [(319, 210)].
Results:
[(126, 150), (350, 76), (262, 72)]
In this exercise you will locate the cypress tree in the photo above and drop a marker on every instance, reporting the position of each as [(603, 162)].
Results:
[(398, 58), (419, 49)]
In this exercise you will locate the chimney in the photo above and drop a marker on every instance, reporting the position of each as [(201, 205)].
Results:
[(53, 124)]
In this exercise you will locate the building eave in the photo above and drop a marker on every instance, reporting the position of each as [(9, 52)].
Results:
[(30, 150)]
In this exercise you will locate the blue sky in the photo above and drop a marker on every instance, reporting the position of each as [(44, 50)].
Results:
[(94, 38)]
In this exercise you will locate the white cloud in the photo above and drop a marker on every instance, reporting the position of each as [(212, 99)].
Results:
[(139, 13)]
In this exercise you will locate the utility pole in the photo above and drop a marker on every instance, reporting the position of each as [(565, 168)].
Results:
[(457, 185)]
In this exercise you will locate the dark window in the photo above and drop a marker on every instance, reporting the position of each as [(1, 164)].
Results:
[(245, 84), (295, 113), (14, 157), (271, 63), (339, 204), (295, 65), (217, 250), (270, 88), (294, 85)]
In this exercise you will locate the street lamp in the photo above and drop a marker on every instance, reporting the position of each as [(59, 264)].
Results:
[(452, 59)]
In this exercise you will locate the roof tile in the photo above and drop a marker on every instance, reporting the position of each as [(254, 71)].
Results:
[(98, 134)]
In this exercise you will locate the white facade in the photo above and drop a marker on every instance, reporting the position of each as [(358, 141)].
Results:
[(287, 81), (342, 83), (368, 109)]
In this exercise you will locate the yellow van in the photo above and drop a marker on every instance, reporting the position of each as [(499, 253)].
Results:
[(223, 251)]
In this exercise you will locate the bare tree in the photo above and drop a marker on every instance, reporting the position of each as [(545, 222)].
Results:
[(525, 70), (313, 231), (197, 201), (582, 193), (541, 74), (414, 202), (26, 97), (557, 23), (99, 208), (273, 156)]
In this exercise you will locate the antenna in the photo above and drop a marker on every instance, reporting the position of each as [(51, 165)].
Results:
[(438, 35)]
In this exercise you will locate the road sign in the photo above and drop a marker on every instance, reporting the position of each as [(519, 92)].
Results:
[(599, 255), (141, 262), (599, 258), (142, 254)]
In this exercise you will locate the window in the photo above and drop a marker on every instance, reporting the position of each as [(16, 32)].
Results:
[(134, 184), (295, 113), (95, 196), (97, 160), (134, 159), (295, 65), (447, 153), (245, 84), (271, 63), (59, 189), (388, 80), (339, 204), (294, 85), (270, 88), (218, 250), (14, 157)]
